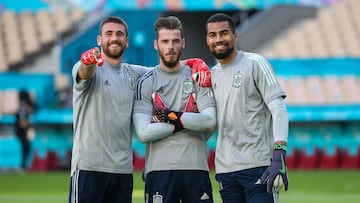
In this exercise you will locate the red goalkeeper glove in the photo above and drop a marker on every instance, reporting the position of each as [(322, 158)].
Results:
[(191, 105), (162, 114), (92, 56), (200, 72)]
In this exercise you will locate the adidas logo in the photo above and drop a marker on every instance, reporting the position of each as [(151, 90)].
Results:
[(107, 83), (204, 196)]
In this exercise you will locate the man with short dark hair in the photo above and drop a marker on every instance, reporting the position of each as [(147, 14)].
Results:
[(252, 119), (174, 116)]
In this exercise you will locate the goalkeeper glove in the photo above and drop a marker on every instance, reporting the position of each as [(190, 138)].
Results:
[(191, 105), (162, 114), (200, 72), (92, 56), (277, 168)]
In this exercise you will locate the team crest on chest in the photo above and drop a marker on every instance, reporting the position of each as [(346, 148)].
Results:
[(237, 80), (131, 83), (188, 87), (157, 198)]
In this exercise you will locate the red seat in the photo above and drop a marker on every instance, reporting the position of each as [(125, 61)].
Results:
[(292, 159), (330, 160), (308, 160), (138, 161), (211, 159), (39, 163), (350, 160)]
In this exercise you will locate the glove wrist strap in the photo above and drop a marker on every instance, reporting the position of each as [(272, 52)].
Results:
[(280, 146)]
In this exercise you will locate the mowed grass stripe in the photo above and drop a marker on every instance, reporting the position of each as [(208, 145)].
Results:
[(305, 186)]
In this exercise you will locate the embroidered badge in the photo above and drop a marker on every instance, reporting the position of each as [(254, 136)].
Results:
[(157, 198), (188, 87), (237, 80)]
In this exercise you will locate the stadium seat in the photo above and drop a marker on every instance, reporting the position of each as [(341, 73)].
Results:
[(39, 163), (1, 102), (292, 153), (333, 90), (315, 89), (281, 49), (333, 32), (309, 153), (10, 104), (327, 142), (4, 62), (10, 152), (330, 158), (138, 162), (52, 161), (299, 44), (211, 159), (77, 15), (351, 148), (351, 88), (62, 81), (351, 159), (315, 38), (62, 21), (46, 27), (29, 33), (11, 34), (297, 90)]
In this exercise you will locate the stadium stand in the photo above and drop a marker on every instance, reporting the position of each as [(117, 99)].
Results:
[(332, 32), (11, 34), (26, 34)]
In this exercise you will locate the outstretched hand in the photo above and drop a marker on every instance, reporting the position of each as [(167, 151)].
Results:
[(91, 57)]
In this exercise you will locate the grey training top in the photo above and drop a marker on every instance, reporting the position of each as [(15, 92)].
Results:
[(102, 119), (186, 149), (242, 89)]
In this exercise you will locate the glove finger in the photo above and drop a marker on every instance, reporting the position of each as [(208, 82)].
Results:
[(203, 78), (100, 61), (270, 184), (92, 58), (84, 58), (158, 100), (286, 181), (89, 58), (191, 105), (190, 62), (195, 77), (202, 66), (264, 177), (154, 119)]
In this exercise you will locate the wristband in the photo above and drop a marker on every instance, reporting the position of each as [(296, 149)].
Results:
[(280, 146)]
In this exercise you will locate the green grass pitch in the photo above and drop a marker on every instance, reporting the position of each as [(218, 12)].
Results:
[(305, 186)]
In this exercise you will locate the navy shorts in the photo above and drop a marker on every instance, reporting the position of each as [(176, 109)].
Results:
[(240, 187), (100, 187), (187, 186)]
